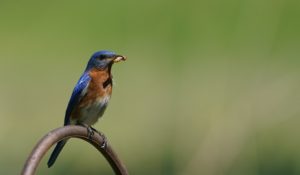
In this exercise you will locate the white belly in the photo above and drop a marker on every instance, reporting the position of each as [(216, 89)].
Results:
[(94, 111)]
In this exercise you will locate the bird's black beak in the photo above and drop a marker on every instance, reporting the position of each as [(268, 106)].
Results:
[(119, 58)]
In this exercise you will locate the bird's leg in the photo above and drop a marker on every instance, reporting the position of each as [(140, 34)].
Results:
[(104, 143), (90, 130)]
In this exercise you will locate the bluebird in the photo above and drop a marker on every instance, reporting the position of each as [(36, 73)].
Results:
[(90, 96)]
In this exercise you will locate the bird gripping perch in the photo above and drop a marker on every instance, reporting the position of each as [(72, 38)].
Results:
[(66, 132)]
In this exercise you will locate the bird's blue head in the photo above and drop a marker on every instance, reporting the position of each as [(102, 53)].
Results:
[(104, 59)]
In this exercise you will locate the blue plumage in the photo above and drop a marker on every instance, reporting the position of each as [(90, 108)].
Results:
[(90, 95), (76, 95)]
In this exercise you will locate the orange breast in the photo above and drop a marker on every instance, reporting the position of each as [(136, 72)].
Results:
[(94, 92)]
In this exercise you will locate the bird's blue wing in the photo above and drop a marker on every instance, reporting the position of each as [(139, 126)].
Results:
[(75, 98), (76, 95)]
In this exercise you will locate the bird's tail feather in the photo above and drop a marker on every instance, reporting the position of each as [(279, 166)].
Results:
[(59, 146)]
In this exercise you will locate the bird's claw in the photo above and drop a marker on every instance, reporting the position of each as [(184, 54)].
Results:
[(90, 132), (104, 143)]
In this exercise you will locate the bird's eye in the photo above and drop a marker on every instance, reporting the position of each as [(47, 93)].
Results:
[(101, 57)]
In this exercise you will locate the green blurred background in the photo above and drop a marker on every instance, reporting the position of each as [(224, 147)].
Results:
[(210, 87)]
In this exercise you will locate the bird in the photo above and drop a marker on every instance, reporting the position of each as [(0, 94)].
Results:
[(90, 95)]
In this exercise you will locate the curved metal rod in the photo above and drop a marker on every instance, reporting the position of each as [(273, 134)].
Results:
[(66, 132)]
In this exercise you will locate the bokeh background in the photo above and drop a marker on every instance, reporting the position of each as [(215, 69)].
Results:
[(209, 87)]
